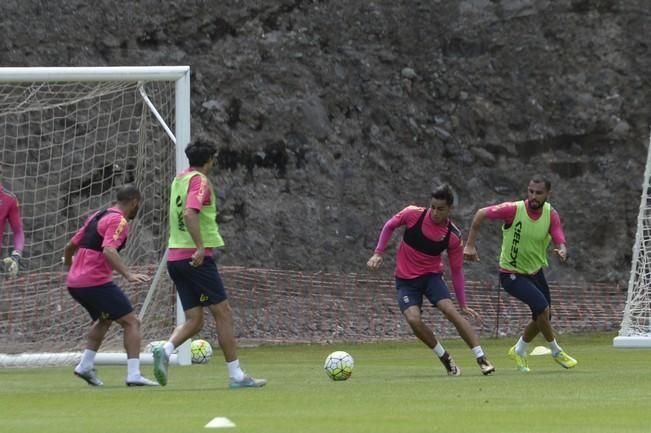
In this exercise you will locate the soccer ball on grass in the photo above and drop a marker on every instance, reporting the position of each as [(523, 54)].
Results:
[(339, 365), (201, 351)]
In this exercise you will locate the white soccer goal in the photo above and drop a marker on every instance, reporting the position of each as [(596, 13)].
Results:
[(635, 330), (68, 137)]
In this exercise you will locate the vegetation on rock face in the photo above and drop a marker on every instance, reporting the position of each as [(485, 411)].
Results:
[(332, 116)]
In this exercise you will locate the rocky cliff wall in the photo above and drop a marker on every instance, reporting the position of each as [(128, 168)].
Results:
[(333, 115)]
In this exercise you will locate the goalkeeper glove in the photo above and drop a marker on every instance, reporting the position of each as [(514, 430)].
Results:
[(11, 263)]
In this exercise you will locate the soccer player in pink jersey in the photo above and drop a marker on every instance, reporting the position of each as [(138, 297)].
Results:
[(419, 272), (10, 212), (528, 227), (96, 248), (194, 236)]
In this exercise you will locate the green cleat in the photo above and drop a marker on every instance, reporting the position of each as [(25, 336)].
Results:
[(564, 360), (161, 361), (520, 361)]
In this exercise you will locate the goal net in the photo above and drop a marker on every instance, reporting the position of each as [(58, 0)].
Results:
[(68, 138), (635, 329)]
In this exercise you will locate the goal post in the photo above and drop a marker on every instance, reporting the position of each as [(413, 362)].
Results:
[(68, 137), (635, 330)]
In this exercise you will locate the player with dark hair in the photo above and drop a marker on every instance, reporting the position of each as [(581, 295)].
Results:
[(529, 226), (96, 248), (419, 272), (194, 234), (10, 212)]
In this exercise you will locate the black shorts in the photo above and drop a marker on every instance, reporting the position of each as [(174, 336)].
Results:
[(530, 289), (411, 292), (105, 302), (200, 286)]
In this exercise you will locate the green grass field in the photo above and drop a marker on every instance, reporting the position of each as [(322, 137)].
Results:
[(395, 387)]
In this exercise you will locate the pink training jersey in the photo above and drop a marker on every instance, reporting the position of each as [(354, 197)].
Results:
[(10, 211), (198, 197), (89, 267), (411, 263), (506, 212)]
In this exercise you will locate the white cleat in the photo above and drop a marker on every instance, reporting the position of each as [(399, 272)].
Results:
[(247, 382), (89, 376), (141, 381)]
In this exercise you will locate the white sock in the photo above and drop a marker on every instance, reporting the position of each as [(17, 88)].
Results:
[(521, 347), (87, 360), (133, 368), (234, 370), (439, 350), (168, 348), (477, 351), (556, 349)]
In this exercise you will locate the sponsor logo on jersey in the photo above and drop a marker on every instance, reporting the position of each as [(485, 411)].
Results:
[(119, 229), (513, 255)]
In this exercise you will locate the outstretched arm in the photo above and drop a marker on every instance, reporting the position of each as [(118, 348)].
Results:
[(376, 259), (114, 259), (470, 251), (455, 258)]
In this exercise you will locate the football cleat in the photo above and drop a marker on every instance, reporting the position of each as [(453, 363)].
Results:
[(564, 360), (449, 364), (520, 361), (89, 376), (161, 362), (247, 382), (141, 381), (485, 366)]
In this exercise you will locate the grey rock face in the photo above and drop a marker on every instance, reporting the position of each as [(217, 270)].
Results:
[(332, 116)]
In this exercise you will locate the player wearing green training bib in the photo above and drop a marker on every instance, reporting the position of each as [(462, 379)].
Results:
[(194, 234), (529, 227), (525, 241), (180, 236)]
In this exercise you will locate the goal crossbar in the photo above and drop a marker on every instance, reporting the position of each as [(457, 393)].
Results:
[(124, 73)]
